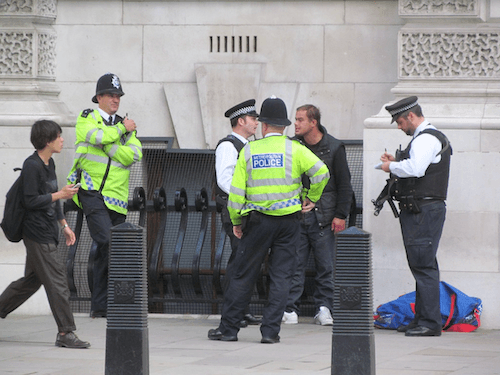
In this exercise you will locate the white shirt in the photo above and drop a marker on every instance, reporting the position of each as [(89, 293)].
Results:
[(105, 115), (225, 161), (423, 152)]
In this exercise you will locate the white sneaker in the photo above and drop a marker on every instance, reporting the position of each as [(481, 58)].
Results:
[(290, 318), (324, 317)]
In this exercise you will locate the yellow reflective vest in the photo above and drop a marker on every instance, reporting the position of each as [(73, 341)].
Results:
[(267, 178), (97, 143)]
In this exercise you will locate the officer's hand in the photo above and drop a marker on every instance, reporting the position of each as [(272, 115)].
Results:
[(237, 231), (338, 225), (387, 157), (129, 124), (307, 205)]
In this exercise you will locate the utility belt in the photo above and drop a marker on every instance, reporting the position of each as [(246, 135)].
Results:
[(413, 204)]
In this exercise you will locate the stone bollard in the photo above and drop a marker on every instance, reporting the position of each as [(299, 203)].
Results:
[(353, 341), (127, 345)]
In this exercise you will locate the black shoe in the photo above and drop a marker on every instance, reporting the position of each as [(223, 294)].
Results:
[(98, 314), (216, 334), (270, 340), (252, 320), (70, 340), (422, 331), (405, 328), (243, 324)]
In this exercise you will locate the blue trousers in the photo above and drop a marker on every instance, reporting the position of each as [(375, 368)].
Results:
[(321, 242), (421, 235), (280, 235)]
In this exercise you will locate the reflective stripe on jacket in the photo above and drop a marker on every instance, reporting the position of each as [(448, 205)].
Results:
[(267, 178), (96, 143)]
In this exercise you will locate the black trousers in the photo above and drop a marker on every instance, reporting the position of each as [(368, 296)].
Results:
[(264, 234), (42, 268), (100, 219), (421, 235)]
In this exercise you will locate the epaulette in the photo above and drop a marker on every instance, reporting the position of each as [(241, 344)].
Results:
[(86, 112)]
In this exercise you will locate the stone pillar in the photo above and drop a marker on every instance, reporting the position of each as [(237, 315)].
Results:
[(449, 56), (27, 64)]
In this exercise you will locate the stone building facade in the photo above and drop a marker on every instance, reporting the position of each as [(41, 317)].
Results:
[(183, 63)]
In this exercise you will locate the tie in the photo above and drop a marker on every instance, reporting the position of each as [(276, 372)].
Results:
[(110, 120)]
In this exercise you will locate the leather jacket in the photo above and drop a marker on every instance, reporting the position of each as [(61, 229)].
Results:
[(337, 195)]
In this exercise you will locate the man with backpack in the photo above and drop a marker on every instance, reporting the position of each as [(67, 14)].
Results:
[(40, 233)]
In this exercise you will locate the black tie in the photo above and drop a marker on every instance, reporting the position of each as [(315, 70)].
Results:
[(110, 120)]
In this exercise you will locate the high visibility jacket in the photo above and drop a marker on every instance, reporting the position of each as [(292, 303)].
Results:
[(267, 178), (97, 143)]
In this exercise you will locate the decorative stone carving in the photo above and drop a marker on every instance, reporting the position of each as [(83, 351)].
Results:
[(16, 6), (46, 8), (16, 53), (438, 7), (46, 55), (452, 55)]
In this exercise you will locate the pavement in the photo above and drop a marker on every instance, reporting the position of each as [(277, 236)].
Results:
[(178, 344)]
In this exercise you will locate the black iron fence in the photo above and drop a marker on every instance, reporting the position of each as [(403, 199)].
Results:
[(172, 197)]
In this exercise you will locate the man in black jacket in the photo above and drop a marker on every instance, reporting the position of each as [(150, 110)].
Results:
[(319, 226)]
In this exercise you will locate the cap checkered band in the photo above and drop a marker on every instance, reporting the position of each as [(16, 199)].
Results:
[(402, 109), (242, 111)]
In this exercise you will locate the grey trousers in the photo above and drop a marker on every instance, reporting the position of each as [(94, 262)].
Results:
[(42, 268)]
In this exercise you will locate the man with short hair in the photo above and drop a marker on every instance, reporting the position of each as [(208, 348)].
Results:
[(106, 147), (319, 226), (42, 201), (422, 173), (243, 118), (264, 205)]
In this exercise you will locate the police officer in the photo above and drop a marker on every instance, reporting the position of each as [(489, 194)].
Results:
[(106, 147), (243, 118), (422, 173), (265, 207)]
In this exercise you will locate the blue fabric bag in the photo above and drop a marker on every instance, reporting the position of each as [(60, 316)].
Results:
[(459, 312)]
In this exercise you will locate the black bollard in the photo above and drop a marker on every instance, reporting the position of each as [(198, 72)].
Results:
[(127, 346), (353, 341)]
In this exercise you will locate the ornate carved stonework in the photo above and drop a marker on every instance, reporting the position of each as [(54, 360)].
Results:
[(16, 6), (450, 55), (438, 7), (16, 53), (47, 55), (47, 8)]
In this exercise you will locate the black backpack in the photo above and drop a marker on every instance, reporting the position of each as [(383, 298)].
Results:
[(14, 211)]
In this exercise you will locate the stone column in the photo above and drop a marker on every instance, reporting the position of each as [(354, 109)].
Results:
[(449, 56), (27, 64)]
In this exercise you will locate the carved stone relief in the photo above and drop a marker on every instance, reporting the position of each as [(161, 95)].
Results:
[(47, 8), (16, 53), (16, 6), (46, 55), (438, 7), (450, 55)]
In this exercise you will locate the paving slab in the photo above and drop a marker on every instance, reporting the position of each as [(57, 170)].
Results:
[(178, 344)]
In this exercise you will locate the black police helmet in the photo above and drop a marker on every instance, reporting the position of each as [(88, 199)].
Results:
[(273, 112), (108, 84)]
